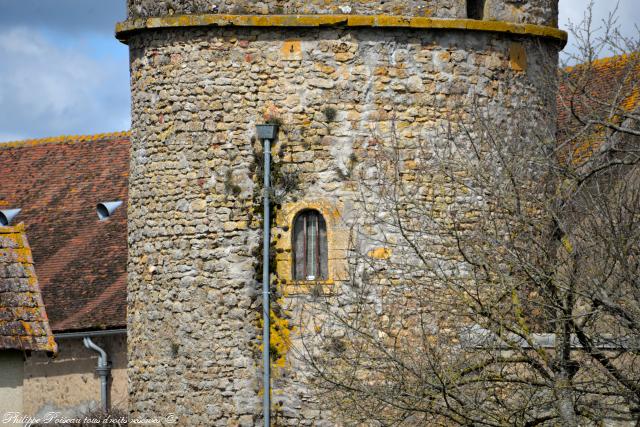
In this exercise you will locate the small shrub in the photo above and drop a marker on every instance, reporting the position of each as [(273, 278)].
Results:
[(175, 347), (330, 113), (337, 346), (272, 116), (230, 187), (275, 120)]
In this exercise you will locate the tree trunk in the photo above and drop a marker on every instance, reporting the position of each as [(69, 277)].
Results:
[(564, 400)]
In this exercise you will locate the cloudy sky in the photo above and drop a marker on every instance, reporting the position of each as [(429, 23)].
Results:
[(62, 71)]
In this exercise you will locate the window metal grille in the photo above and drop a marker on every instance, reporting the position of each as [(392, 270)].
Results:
[(310, 246)]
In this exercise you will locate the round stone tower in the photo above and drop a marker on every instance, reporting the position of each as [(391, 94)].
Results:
[(203, 74)]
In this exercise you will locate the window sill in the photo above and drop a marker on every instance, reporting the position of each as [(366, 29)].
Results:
[(310, 287)]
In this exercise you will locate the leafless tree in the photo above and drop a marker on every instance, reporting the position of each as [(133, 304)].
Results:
[(506, 290)]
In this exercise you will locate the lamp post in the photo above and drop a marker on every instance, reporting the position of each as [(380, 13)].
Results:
[(267, 133)]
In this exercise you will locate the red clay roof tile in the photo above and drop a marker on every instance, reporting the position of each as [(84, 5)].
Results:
[(81, 261), (605, 89), (23, 319)]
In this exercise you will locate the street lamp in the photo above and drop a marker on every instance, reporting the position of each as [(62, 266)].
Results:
[(267, 133)]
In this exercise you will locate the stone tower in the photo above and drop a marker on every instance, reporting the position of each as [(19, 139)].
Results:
[(203, 74)]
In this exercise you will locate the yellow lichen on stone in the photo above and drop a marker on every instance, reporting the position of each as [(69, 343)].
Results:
[(517, 57), (123, 29), (567, 244), (279, 339), (64, 139), (291, 50), (166, 133), (27, 327), (380, 253)]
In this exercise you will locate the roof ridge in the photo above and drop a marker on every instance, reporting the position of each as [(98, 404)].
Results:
[(65, 139), (605, 61)]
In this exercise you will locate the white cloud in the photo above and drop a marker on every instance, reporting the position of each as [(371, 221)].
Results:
[(47, 90), (628, 12), (65, 16), (628, 15)]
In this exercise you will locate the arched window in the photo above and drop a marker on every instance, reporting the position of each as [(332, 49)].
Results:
[(475, 9), (310, 250)]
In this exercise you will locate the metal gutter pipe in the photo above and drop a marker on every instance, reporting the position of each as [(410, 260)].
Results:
[(108, 332), (103, 370), (266, 326)]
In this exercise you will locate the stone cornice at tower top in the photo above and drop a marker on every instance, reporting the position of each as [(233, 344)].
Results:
[(126, 28)]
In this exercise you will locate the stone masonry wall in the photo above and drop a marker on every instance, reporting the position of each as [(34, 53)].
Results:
[(69, 384), (194, 214), (542, 12)]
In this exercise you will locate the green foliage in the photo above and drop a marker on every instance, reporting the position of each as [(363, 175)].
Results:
[(275, 120), (330, 113), (230, 186), (175, 347)]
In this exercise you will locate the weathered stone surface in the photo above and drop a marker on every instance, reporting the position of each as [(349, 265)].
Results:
[(194, 215), (68, 383), (24, 324), (541, 12)]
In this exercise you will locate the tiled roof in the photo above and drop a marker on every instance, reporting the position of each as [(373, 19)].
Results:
[(81, 261), (23, 318), (589, 91)]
